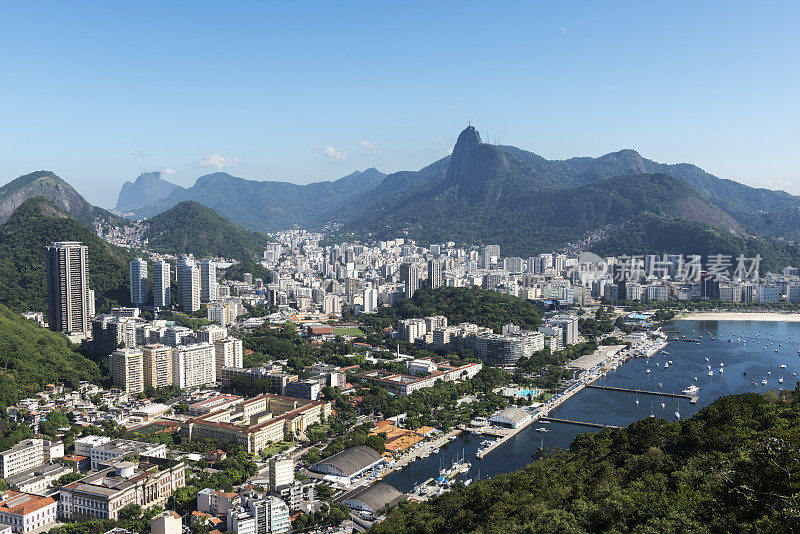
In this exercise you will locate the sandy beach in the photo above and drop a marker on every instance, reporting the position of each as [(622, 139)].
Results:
[(741, 316)]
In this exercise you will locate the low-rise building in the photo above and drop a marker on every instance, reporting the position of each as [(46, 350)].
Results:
[(24, 455), (256, 422), (25, 512), (102, 494)]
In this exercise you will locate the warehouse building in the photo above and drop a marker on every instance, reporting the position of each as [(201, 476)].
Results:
[(349, 464)]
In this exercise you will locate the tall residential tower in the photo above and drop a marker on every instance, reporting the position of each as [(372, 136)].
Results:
[(138, 271), (67, 288)]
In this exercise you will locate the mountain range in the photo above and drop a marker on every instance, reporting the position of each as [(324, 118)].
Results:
[(488, 193), (481, 193)]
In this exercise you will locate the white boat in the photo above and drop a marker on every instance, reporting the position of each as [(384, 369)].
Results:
[(695, 379), (711, 373), (542, 429), (721, 370), (721, 364), (663, 405), (691, 389), (706, 358), (780, 380), (648, 371), (764, 382), (677, 415), (783, 366)]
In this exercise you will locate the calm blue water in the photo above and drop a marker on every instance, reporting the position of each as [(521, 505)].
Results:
[(620, 408)]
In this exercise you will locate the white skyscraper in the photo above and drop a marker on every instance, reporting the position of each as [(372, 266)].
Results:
[(161, 284), (188, 285), (208, 281), (138, 271), (67, 288)]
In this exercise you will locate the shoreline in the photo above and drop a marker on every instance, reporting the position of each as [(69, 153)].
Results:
[(740, 316)]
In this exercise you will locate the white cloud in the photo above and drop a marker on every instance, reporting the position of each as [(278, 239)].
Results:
[(563, 30), (218, 162), (442, 140), (139, 154), (335, 154), (168, 170), (778, 184), (375, 150), (453, 107)]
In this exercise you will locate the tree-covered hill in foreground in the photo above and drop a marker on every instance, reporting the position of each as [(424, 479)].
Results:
[(191, 228), (32, 356), (733, 467), (23, 244)]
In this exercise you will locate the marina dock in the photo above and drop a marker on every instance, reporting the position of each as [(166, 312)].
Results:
[(581, 423), (692, 398)]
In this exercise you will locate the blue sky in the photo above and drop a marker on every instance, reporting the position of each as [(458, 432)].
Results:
[(306, 91)]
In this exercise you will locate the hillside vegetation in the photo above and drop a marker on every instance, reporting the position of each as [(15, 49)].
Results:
[(733, 467), (191, 228), (661, 235), (23, 242), (32, 356)]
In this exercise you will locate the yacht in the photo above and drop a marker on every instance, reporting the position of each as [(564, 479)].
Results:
[(764, 382), (648, 371), (691, 390), (783, 366)]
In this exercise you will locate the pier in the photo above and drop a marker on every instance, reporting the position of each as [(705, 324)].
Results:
[(692, 398), (581, 423)]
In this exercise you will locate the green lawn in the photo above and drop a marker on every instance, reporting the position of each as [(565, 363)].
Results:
[(347, 331)]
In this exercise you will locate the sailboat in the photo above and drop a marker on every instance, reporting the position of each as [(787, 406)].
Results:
[(678, 411), (651, 409), (637, 401)]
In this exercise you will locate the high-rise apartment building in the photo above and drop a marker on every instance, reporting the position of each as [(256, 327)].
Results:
[(409, 275), (188, 285), (138, 272), (157, 365), (435, 273), (193, 365), (67, 288), (228, 352), (127, 370), (208, 281), (491, 255), (161, 284)]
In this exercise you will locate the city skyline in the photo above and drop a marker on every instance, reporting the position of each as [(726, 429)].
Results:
[(280, 94)]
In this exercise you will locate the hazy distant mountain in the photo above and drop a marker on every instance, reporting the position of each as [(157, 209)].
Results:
[(266, 205), (191, 228), (147, 189), (23, 241)]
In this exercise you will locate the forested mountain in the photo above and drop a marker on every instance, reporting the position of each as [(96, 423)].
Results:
[(148, 189), (496, 193), (528, 204), (23, 241), (191, 228), (485, 197), (47, 185), (265, 205), (733, 467), (32, 356)]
